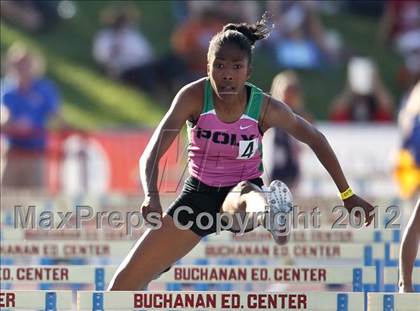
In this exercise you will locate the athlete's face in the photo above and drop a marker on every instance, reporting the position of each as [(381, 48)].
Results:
[(228, 69)]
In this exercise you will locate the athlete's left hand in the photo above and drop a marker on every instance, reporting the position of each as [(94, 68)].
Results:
[(356, 201)]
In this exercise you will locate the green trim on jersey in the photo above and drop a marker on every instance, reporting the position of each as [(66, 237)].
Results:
[(260, 149), (253, 107), (208, 97), (255, 102)]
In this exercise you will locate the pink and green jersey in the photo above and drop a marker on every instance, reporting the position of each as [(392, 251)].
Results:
[(223, 154)]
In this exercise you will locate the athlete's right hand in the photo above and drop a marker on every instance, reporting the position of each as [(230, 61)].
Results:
[(151, 210)]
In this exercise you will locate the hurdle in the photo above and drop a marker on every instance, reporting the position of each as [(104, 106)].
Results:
[(8, 233), (257, 235), (392, 255), (64, 249), (99, 277), (359, 277), (208, 250), (393, 301), (36, 300), (316, 236), (89, 300), (391, 279)]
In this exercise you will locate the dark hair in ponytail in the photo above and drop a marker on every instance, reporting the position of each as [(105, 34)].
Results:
[(243, 35)]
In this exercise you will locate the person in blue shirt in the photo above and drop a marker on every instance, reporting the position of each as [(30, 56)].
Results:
[(407, 170), (30, 101)]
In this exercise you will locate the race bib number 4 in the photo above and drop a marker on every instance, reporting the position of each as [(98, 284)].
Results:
[(247, 148)]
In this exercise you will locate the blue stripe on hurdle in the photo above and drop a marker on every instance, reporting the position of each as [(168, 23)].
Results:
[(377, 236), (5, 262), (389, 303), (365, 300), (396, 235), (342, 302), (9, 219), (99, 279), (46, 261), (379, 267), (367, 258), (50, 301), (174, 286), (249, 285), (228, 262), (201, 286), (388, 261), (357, 280), (97, 302), (390, 287)]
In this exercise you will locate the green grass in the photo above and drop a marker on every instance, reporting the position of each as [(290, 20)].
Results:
[(91, 100)]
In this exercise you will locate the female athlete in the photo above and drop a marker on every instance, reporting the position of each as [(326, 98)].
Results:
[(226, 118)]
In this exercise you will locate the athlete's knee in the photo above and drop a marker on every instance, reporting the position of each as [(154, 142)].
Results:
[(244, 187), (236, 201)]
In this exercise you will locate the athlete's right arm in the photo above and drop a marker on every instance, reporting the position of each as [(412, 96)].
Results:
[(184, 107)]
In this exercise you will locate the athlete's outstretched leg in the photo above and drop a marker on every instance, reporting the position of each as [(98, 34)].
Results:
[(155, 251), (248, 207), (408, 251)]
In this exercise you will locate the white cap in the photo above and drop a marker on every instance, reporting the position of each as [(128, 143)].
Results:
[(361, 75)]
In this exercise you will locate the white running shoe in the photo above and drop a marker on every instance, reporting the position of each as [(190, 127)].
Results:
[(279, 205)]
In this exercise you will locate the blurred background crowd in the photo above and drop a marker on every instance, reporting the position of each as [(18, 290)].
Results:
[(96, 68)]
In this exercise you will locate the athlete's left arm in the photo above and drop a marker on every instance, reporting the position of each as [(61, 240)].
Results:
[(278, 114)]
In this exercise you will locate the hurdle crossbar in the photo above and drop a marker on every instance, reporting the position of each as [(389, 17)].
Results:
[(257, 235), (100, 276), (391, 277), (216, 250), (393, 301), (180, 300), (36, 300)]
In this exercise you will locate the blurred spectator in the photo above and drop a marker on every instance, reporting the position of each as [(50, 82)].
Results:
[(283, 158), (29, 101), (122, 50), (299, 40), (31, 15), (126, 54), (191, 39), (400, 25), (236, 11), (407, 171), (364, 97)]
